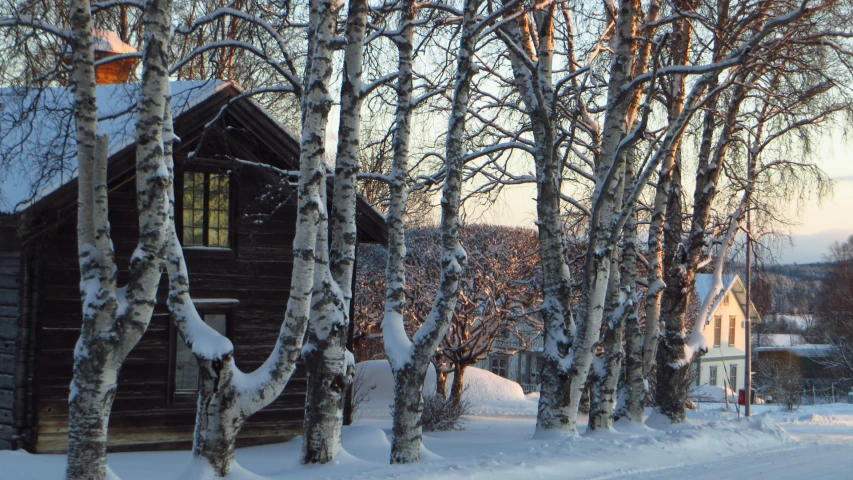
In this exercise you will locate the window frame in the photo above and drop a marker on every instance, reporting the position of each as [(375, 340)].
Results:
[(500, 359), (712, 375), (718, 326), (732, 330), (184, 397), (232, 208), (733, 376)]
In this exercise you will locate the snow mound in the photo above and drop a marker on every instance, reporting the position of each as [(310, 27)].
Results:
[(822, 420), (713, 394), (488, 394)]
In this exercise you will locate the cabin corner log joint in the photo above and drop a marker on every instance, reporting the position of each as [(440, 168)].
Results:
[(236, 220)]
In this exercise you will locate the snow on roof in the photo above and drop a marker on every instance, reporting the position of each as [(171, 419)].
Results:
[(780, 340), (37, 138), (107, 41), (705, 284), (808, 350)]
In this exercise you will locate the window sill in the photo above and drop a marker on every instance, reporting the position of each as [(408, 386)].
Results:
[(201, 248), (214, 252)]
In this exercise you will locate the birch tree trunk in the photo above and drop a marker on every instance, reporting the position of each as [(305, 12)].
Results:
[(607, 203), (410, 360), (114, 319), (227, 396), (536, 90), (330, 371)]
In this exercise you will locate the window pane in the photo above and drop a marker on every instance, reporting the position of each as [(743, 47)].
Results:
[(216, 321), (732, 330), (193, 214), (218, 209), (186, 369), (718, 320)]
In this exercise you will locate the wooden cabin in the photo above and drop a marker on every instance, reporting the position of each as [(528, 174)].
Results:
[(236, 219)]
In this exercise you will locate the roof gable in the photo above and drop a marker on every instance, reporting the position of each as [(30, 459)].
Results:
[(705, 285)]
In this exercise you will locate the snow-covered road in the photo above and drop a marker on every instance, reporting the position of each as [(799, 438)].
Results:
[(824, 451), (811, 461)]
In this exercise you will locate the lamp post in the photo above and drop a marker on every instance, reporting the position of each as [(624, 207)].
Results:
[(747, 384)]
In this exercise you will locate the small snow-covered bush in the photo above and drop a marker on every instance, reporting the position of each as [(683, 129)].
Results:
[(444, 414)]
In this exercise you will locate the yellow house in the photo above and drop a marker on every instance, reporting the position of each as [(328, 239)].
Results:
[(725, 363)]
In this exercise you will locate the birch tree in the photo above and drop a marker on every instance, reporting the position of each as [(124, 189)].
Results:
[(114, 318), (330, 365), (687, 252), (410, 359), (227, 396)]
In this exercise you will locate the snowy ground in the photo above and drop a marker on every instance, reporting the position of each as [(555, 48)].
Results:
[(813, 442)]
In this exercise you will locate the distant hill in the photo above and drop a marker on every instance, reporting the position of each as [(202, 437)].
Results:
[(790, 289)]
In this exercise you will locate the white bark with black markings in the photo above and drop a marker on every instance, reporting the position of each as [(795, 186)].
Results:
[(328, 363), (411, 359), (114, 318)]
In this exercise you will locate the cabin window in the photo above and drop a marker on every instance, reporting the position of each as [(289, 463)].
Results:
[(718, 326), (498, 366), (206, 209), (713, 379), (186, 368), (733, 376), (732, 323)]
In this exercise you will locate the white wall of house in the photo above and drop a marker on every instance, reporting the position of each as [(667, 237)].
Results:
[(726, 339)]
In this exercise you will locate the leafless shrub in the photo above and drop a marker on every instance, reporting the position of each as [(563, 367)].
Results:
[(780, 376), (444, 414), (360, 391)]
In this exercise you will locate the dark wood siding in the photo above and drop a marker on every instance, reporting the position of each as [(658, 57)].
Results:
[(146, 413), (11, 384)]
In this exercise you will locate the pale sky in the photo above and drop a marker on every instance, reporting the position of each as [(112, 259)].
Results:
[(820, 222)]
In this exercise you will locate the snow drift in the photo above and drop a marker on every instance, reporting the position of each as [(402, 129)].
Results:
[(489, 394)]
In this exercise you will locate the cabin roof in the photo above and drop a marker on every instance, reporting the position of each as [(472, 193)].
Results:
[(38, 148)]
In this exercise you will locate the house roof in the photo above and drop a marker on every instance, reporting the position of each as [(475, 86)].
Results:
[(731, 283), (806, 351), (38, 151), (780, 340), (108, 42), (38, 146)]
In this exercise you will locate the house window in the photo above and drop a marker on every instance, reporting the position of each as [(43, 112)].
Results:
[(726, 299), (186, 368), (713, 379), (206, 209), (733, 376), (718, 325), (732, 323), (498, 366)]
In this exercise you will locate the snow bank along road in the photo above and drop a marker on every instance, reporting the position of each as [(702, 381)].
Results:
[(811, 443)]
